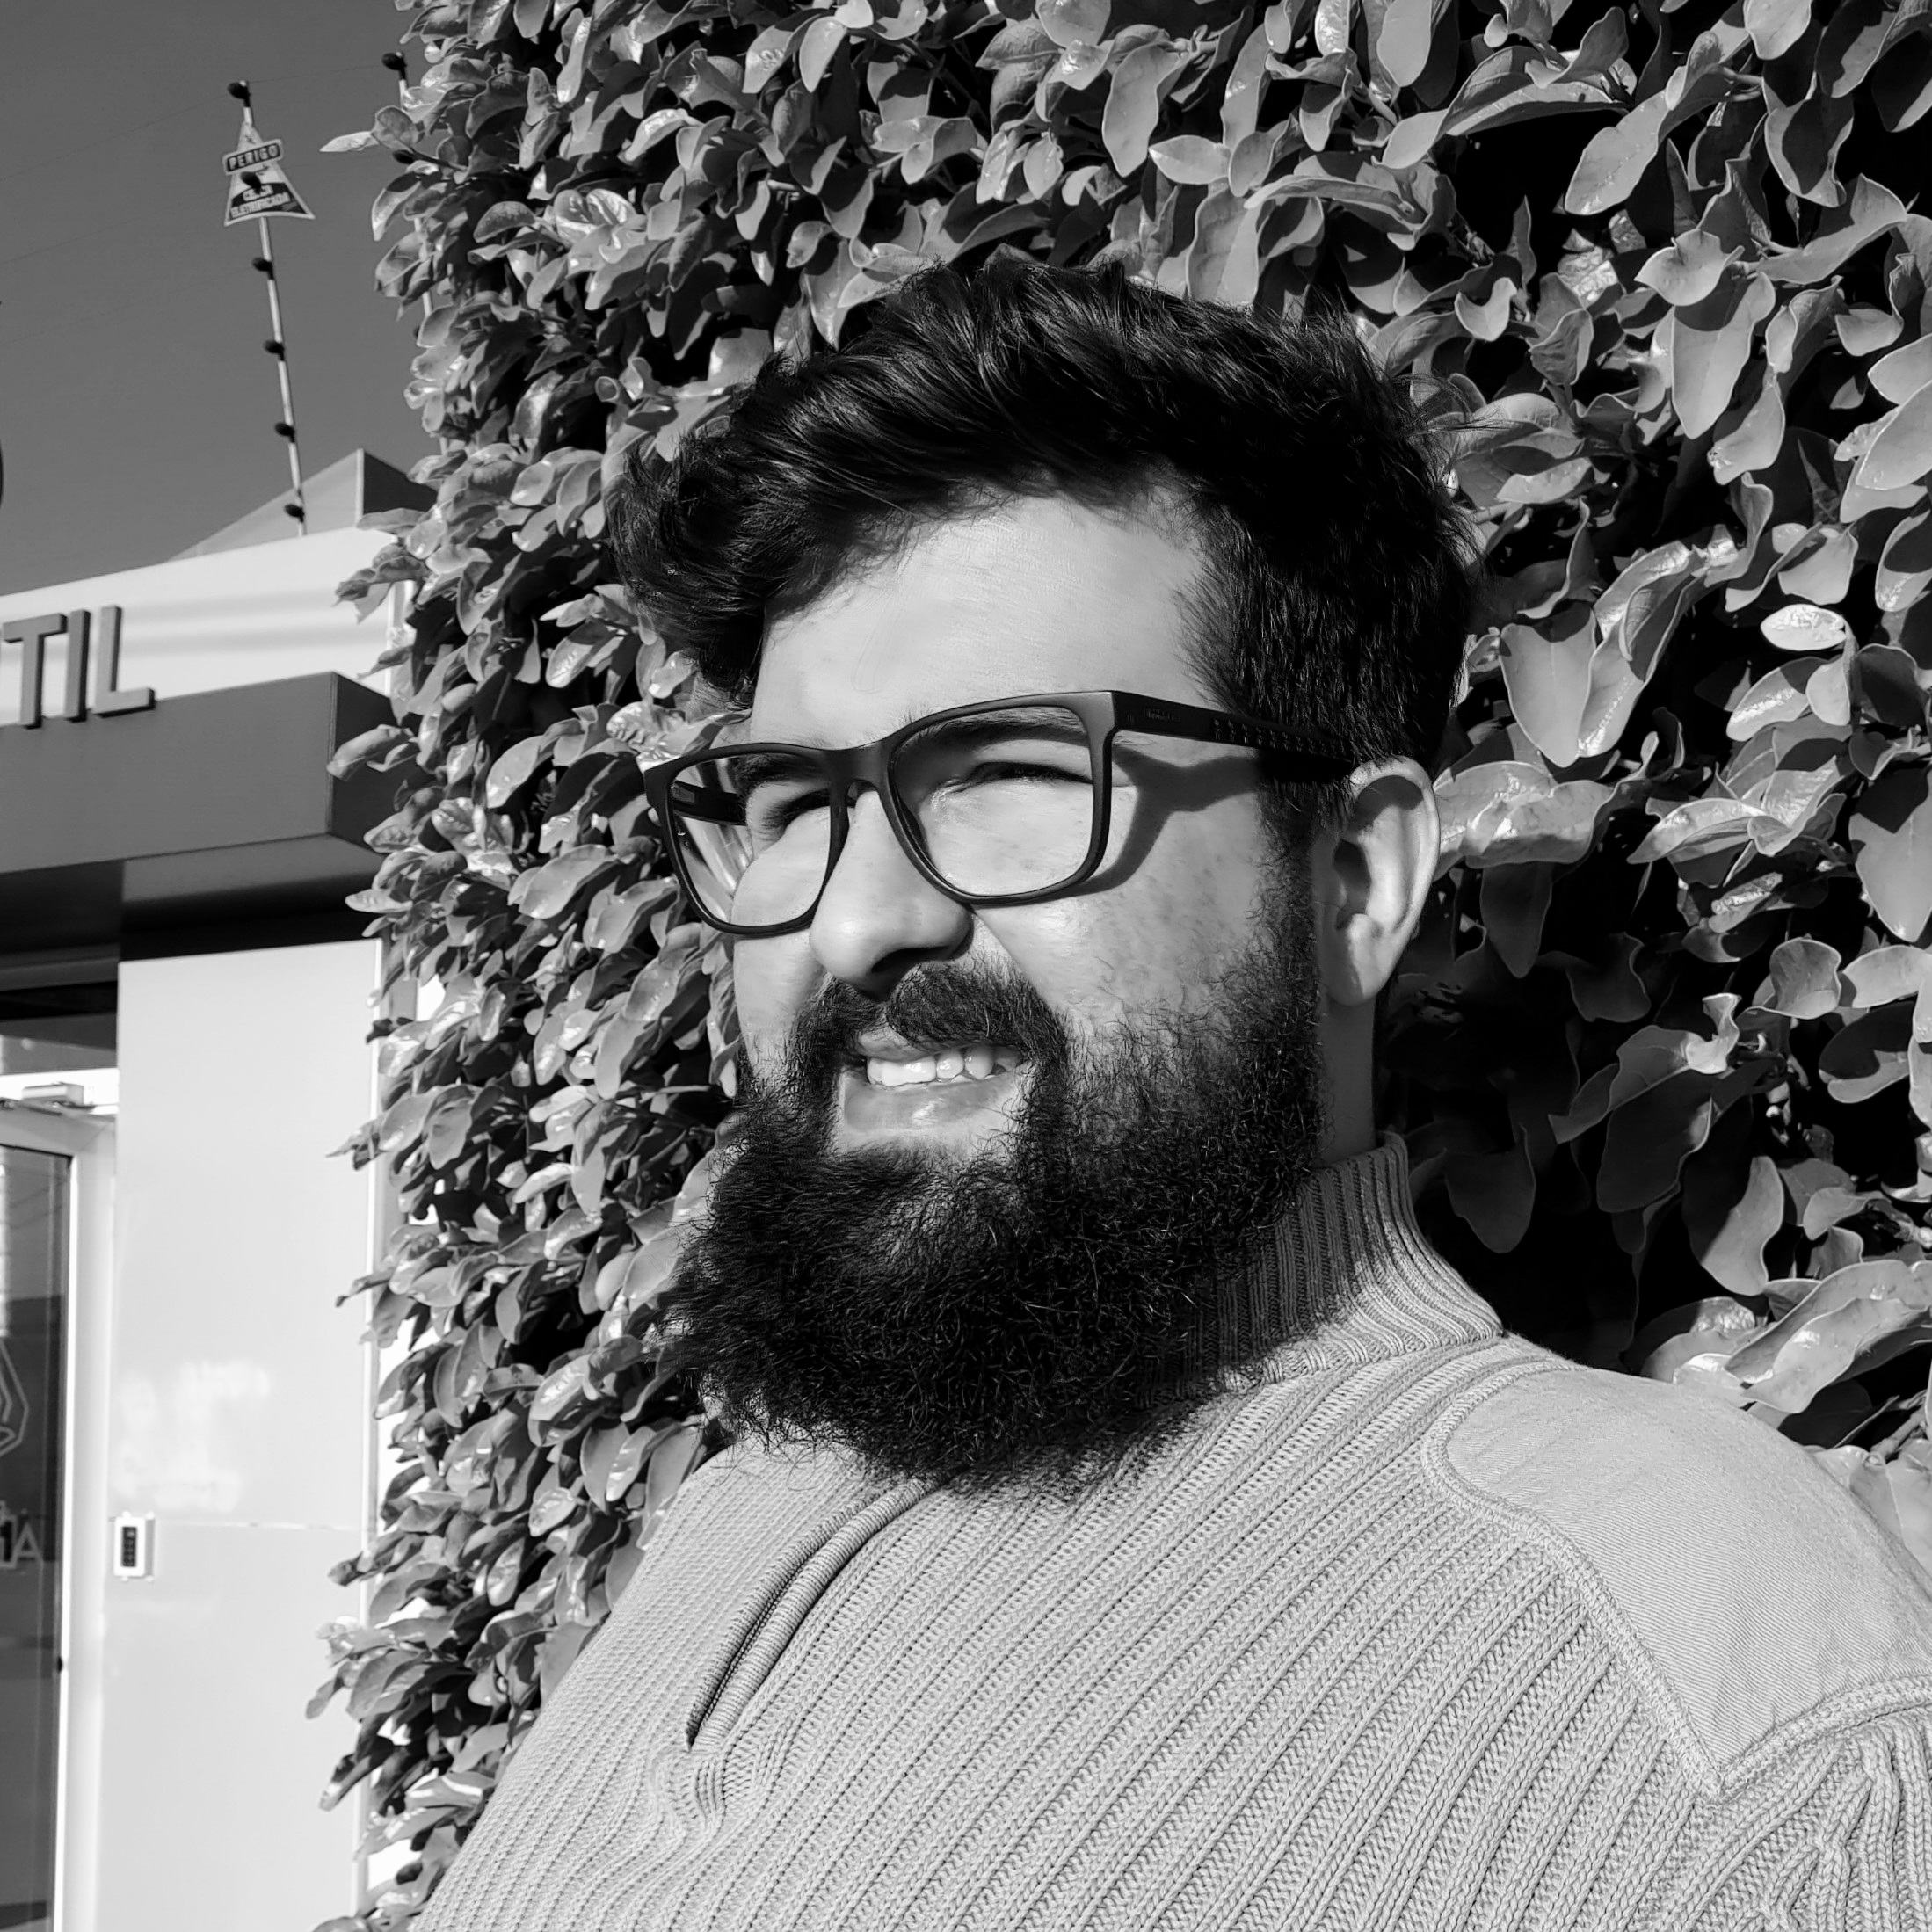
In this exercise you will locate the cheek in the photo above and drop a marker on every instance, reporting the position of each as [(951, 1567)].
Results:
[(772, 982), (1157, 938)]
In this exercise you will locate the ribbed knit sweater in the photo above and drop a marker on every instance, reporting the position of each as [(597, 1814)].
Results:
[(1424, 1628)]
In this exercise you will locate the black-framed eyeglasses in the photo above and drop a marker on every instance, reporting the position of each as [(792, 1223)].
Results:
[(1002, 803)]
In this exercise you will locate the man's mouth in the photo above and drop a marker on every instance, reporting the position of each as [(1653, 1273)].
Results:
[(962, 1060), (961, 1088)]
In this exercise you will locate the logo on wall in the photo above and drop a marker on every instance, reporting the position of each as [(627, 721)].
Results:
[(17, 1542), (14, 1404)]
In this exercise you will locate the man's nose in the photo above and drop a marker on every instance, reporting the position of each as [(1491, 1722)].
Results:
[(878, 917)]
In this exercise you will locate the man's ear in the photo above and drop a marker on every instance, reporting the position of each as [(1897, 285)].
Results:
[(1371, 875)]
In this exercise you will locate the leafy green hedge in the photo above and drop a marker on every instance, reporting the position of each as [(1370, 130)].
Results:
[(1661, 1052)]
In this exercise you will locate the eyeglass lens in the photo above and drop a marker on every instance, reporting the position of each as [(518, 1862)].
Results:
[(1003, 803)]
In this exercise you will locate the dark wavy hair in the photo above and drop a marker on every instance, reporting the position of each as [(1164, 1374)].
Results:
[(1337, 582)]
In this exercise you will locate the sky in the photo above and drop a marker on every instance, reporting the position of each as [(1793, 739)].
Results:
[(137, 408)]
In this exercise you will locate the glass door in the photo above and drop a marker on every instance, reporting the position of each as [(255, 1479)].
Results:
[(35, 1247)]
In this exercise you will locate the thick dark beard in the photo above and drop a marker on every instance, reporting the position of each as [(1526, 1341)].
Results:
[(1040, 1312)]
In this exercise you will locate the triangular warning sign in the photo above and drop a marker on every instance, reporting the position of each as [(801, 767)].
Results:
[(256, 183)]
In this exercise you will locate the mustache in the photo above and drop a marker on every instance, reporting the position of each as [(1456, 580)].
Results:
[(945, 1002)]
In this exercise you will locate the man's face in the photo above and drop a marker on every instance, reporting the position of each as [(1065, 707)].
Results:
[(1037, 596), (976, 1268)]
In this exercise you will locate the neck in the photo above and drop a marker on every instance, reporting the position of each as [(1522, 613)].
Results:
[(1347, 1046), (1344, 1278)]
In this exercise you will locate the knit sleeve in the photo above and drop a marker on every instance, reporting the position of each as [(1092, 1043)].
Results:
[(1837, 1838)]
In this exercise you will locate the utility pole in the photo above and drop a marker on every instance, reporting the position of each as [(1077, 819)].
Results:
[(259, 188), (277, 345)]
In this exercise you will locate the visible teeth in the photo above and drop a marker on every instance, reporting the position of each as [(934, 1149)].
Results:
[(976, 1062)]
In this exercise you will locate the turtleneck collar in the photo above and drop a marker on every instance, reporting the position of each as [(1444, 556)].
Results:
[(1345, 1278)]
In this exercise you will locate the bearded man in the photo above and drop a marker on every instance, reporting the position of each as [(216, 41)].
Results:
[(1133, 1523)]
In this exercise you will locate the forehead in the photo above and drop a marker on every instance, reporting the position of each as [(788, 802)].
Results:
[(1042, 594)]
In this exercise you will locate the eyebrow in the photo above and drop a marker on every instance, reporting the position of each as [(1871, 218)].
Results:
[(754, 768), (1042, 720)]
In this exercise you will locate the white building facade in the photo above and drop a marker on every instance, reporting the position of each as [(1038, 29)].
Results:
[(186, 1442)]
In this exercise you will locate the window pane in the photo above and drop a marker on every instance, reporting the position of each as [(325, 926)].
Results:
[(33, 1245)]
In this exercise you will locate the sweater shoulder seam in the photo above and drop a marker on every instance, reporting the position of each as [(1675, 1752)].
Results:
[(1527, 1526), (1711, 1778)]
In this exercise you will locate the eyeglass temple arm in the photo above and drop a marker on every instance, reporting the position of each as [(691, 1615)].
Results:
[(1326, 756)]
